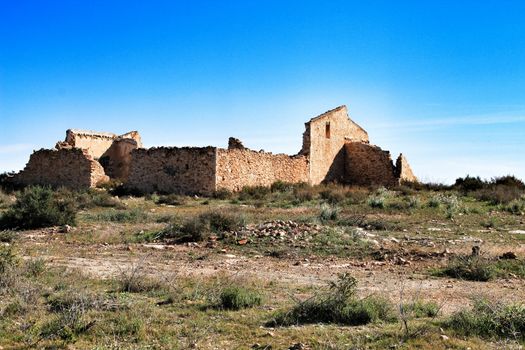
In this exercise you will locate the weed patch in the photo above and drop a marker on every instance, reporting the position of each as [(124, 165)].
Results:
[(238, 297), (340, 305), (490, 319)]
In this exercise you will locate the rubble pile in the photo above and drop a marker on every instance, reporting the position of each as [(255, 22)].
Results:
[(277, 230)]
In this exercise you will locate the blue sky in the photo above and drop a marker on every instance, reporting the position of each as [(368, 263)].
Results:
[(441, 81)]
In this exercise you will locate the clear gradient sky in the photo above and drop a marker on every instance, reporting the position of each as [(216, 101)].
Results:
[(441, 81)]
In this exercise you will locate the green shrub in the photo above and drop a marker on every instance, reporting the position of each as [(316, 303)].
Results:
[(472, 268), (339, 304), (222, 193), (334, 194), (221, 221), (197, 229), (94, 198), (8, 259), (510, 181), (236, 298), (6, 182), (171, 199), (413, 202), (305, 194), (470, 183), (8, 236), (254, 192), (376, 202), (35, 267), (516, 206), (39, 207), (420, 309), (328, 213), (498, 194), (282, 186), (434, 201), (5, 200), (490, 319)]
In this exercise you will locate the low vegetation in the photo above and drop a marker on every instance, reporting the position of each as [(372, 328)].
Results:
[(340, 305), (165, 271), (239, 297), (490, 319), (39, 207), (480, 268)]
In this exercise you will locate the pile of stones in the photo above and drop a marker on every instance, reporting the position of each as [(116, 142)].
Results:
[(275, 230)]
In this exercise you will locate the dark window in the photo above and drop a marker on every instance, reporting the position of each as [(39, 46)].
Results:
[(327, 130)]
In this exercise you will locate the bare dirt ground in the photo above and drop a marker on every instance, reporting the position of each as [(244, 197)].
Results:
[(386, 278)]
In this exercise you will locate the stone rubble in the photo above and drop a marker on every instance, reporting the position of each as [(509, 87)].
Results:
[(275, 230)]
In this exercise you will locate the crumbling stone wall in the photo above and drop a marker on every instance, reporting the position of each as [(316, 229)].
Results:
[(334, 149), (185, 170), (368, 165), (323, 142), (96, 143), (74, 168), (117, 159), (237, 168), (403, 171)]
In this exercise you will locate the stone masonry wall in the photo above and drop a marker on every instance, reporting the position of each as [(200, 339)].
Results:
[(73, 168), (97, 143), (368, 165), (237, 168), (403, 170), (117, 159), (185, 170), (324, 140)]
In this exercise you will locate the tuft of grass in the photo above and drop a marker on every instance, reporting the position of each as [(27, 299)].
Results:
[(39, 207), (135, 280), (421, 309), (131, 215), (340, 305), (35, 267), (238, 297), (516, 206), (472, 268), (378, 199), (328, 213), (8, 236), (490, 319)]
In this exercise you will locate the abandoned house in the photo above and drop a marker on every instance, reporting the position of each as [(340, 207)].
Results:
[(335, 149)]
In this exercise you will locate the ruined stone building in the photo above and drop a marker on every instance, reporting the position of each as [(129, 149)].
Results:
[(335, 149)]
